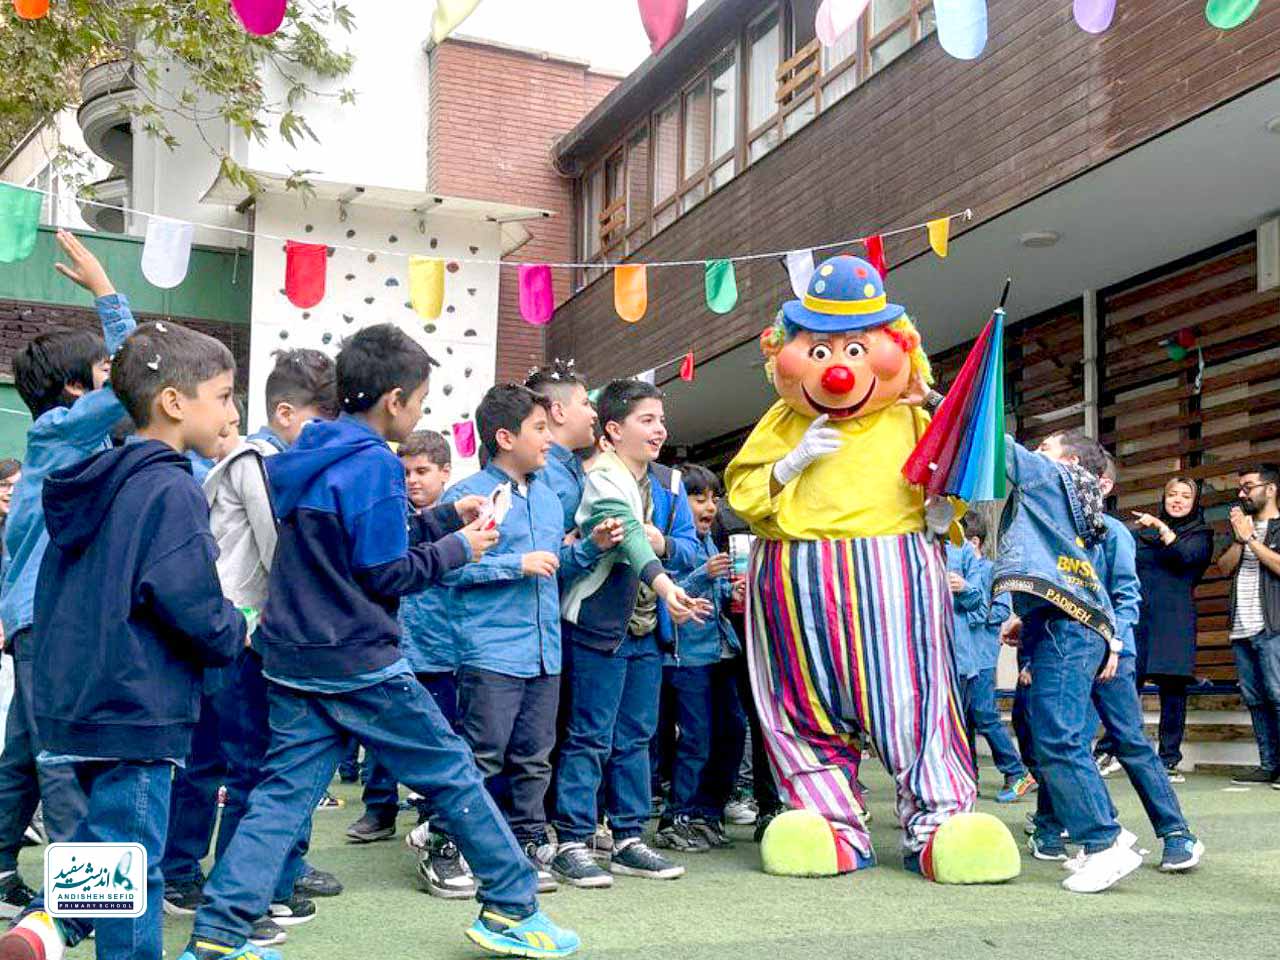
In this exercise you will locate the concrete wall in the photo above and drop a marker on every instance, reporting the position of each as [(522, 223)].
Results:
[(26, 163)]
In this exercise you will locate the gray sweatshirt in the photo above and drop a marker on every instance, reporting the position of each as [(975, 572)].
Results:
[(243, 524)]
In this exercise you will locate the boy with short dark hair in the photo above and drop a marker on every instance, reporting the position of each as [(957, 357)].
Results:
[(330, 644), (128, 589), (61, 377), (701, 677), (573, 421)]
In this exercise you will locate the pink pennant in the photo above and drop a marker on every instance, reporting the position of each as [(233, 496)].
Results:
[(304, 269), (464, 438), (662, 19), (1093, 16), (537, 296), (260, 17), (836, 18)]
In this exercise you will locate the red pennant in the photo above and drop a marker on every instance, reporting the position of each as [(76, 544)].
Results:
[(686, 368), (875, 255), (304, 268), (662, 19)]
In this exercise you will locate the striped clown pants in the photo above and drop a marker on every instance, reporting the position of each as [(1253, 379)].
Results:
[(855, 635)]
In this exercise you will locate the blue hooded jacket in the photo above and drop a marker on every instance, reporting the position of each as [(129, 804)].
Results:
[(703, 644), (343, 558), (128, 608)]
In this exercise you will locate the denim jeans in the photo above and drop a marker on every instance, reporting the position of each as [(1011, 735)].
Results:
[(1258, 666), (401, 722), (128, 802), (1065, 660), (710, 739), (984, 719), (193, 801), (381, 794), (613, 713), (23, 782), (510, 723)]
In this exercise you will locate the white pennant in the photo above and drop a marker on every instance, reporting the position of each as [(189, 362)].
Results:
[(800, 267), (648, 377), (167, 252)]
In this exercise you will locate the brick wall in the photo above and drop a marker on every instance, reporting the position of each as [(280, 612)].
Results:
[(494, 115), (21, 321)]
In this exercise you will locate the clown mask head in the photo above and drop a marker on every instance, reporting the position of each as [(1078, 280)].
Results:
[(843, 350)]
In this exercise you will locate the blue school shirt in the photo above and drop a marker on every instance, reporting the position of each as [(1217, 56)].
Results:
[(563, 473), (970, 608), (703, 644), (59, 438), (1120, 573)]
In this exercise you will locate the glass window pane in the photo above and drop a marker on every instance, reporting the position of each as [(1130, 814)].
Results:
[(766, 45), (613, 178), (844, 48), (928, 22), (592, 194), (692, 198), (721, 175), (724, 106), (666, 218), (697, 117), (800, 116), (762, 144), (666, 136), (884, 12), (891, 49), (639, 201)]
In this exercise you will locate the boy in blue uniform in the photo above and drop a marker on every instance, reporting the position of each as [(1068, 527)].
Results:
[(61, 377), (572, 420), (978, 616), (702, 677), (330, 645), (128, 612)]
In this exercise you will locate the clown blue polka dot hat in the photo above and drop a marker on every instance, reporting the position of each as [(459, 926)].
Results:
[(845, 293)]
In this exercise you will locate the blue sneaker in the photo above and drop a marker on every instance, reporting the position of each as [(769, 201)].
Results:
[(1182, 851), (535, 936), (1044, 848), (207, 950), (1015, 788)]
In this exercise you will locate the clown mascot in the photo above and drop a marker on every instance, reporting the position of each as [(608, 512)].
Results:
[(850, 621)]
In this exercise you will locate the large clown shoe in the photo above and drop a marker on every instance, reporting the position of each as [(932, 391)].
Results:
[(971, 848), (800, 843)]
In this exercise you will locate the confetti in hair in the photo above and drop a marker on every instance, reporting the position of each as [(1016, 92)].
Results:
[(154, 364)]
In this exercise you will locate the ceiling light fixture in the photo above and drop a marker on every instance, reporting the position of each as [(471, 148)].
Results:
[(1039, 238)]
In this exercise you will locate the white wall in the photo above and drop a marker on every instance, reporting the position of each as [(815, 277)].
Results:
[(345, 308), (26, 165)]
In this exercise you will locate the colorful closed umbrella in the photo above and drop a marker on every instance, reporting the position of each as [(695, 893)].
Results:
[(962, 27), (304, 269), (260, 17), (662, 20), (537, 295), (630, 291), (19, 222), (721, 286), (426, 286)]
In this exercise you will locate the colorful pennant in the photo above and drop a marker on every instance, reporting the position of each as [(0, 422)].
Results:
[(449, 16), (662, 20), (962, 27), (800, 270), (167, 252), (939, 235), (31, 9), (722, 286), (260, 17), (875, 255), (836, 18), (630, 291), (537, 295), (464, 438), (687, 368), (304, 269), (19, 222), (1229, 14), (649, 376), (1093, 16), (426, 286)]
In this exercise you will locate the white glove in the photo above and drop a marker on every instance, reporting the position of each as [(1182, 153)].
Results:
[(818, 441)]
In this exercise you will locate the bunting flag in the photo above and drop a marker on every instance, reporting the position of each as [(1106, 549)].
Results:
[(426, 286), (875, 255), (19, 222), (722, 286), (31, 9), (304, 268), (167, 252), (962, 452), (1093, 16), (836, 18), (1229, 14), (649, 376), (537, 296), (260, 17), (687, 368), (800, 270), (449, 16), (630, 291), (662, 20), (962, 27), (939, 235), (464, 438)]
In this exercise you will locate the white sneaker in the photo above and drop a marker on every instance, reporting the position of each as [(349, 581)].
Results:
[(740, 812), (419, 838), (1104, 869), (1126, 839)]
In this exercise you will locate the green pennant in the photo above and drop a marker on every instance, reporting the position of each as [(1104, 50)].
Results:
[(19, 222), (1229, 14), (722, 286)]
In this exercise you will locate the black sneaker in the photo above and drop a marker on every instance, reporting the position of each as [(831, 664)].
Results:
[(633, 858), (712, 831), (291, 912), (317, 883), (1256, 775), (371, 828), (762, 823), (266, 933), (15, 895), (679, 834), (444, 872), (540, 855), (182, 899), (574, 865), (1175, 775)]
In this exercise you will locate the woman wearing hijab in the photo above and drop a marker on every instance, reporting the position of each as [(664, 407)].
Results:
[(1174, 550)]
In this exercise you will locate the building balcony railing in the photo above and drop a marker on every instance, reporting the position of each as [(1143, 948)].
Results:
[(108, 196), (107, 91)]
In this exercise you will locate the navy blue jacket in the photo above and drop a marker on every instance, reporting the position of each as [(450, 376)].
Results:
[(128, 608), (343, 558)]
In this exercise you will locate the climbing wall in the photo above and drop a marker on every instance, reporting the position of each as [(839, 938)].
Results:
[(367, 287)]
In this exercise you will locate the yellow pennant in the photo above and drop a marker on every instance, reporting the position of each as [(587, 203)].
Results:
[(449, 15), (426, 286), (939, 232)]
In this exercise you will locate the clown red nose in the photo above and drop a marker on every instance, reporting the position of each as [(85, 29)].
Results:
[(837, 380)]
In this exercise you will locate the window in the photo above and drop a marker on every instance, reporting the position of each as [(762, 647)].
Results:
[(893, 27), (46, 180), (666, 155), (697, 121), (592, 202), (639, 197), (764, 57), (724, 107), (840, 67)]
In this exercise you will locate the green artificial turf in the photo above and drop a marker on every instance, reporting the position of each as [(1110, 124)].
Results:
[(726, 908)]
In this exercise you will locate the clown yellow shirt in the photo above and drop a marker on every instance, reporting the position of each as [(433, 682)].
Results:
[(859, 491)]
